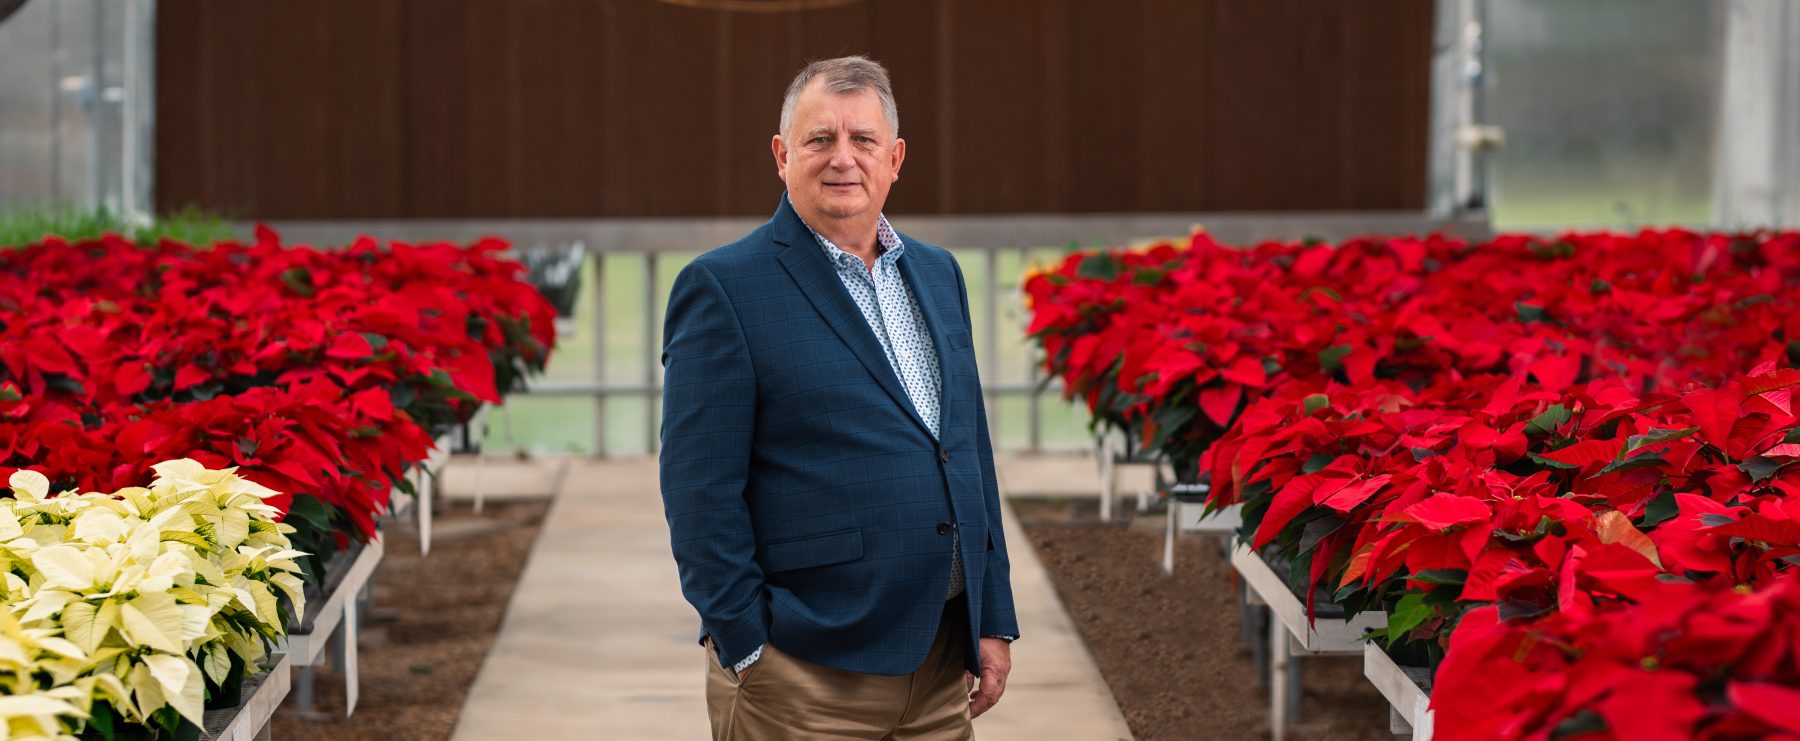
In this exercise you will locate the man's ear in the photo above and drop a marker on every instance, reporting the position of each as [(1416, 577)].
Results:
[(899, 156), (779, 147)]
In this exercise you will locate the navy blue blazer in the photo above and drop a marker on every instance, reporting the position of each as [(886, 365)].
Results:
[(809, 506)]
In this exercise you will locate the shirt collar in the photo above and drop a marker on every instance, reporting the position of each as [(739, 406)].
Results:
[(887, 242)]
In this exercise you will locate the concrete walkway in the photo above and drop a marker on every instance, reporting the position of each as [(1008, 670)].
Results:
[(598, 642)]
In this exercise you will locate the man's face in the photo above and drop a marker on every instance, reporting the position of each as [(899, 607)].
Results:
[(840, 158)]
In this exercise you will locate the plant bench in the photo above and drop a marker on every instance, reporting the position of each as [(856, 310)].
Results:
[(1407, 689), (249, 721), (1292, 634), (333, 615)]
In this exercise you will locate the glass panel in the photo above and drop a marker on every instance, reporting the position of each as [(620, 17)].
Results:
[(1608, 108), (68, 71), (28, 114), (543, 424)]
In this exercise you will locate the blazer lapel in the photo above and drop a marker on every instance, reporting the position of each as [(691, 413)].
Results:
[(807, 264), (913, 269)]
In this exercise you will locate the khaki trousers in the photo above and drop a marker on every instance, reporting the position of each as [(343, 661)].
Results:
[(784, 697)]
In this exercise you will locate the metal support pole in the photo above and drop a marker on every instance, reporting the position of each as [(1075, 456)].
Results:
[(652, 353), (990, 319), (1278, 666), (1109, 475), (1035, 427), (303, 691), (1168, 563), (1295, 662), (599, 320)]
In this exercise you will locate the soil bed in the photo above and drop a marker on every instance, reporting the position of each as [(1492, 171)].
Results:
[(434, 620), (1169, 648)]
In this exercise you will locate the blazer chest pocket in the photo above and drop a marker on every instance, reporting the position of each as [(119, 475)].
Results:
[(958, 339), (813, 551)]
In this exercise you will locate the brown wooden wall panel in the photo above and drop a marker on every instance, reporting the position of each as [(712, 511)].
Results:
[(640, 108), (279, 109)]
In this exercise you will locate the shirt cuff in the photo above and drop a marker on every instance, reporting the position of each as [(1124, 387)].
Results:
[(1007, 638), (739, 667)]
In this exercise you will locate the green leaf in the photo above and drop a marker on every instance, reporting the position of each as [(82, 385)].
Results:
[(65, 384), (1546, 423), (311, 510), (1542, 461), (1529, 313), (1317, 463), (298, 280), (1760, 467), (1098, 266), (1316, 531), (1440, 576), (403, 395), (1408, 614), (1645, 460), (1332, 358), (1316, 402), (102, 717), (1657, 435), (1660, 510), (1584, 723)]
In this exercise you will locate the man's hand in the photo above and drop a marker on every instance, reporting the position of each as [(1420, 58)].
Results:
[(996, 663), (745, 674)]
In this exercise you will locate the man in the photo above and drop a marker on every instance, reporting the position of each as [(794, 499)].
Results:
[(826, 468)]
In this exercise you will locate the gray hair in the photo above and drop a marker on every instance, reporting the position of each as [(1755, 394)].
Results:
[(843, 76)]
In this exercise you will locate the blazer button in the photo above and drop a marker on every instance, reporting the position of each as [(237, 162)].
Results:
[(944, 456), (943, 528)]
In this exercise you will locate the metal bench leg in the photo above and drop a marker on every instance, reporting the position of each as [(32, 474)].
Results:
[(427, 482), (303, 690), (1255, 630), (1293, 686), (1109, 477), (1168, 563), (1397, 724), (1278, 681)]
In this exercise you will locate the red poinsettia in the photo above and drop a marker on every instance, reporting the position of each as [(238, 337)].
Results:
[(319, 372), (1531, 429)]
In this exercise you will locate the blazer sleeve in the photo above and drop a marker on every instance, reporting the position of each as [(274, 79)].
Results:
[(997, 614), (709, 413)]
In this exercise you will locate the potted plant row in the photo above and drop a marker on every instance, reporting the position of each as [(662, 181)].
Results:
[(1526, 432)]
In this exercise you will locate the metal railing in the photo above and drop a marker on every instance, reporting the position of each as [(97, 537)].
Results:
[(991, 237)]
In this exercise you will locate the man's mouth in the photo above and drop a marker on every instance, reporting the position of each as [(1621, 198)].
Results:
[(841, 185)]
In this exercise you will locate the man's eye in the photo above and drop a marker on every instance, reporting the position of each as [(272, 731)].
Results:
[(865, 139), (818, 140)]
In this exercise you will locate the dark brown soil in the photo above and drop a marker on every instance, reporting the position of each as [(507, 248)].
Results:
[(434, 619), (1170, 648)]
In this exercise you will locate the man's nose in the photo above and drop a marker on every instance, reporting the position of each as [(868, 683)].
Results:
[(842, 157)]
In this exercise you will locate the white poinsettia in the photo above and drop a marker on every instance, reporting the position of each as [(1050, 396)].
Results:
[(26, 711), (139, 596)]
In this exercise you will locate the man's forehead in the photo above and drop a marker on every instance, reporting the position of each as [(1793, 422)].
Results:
[(854, 127)]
